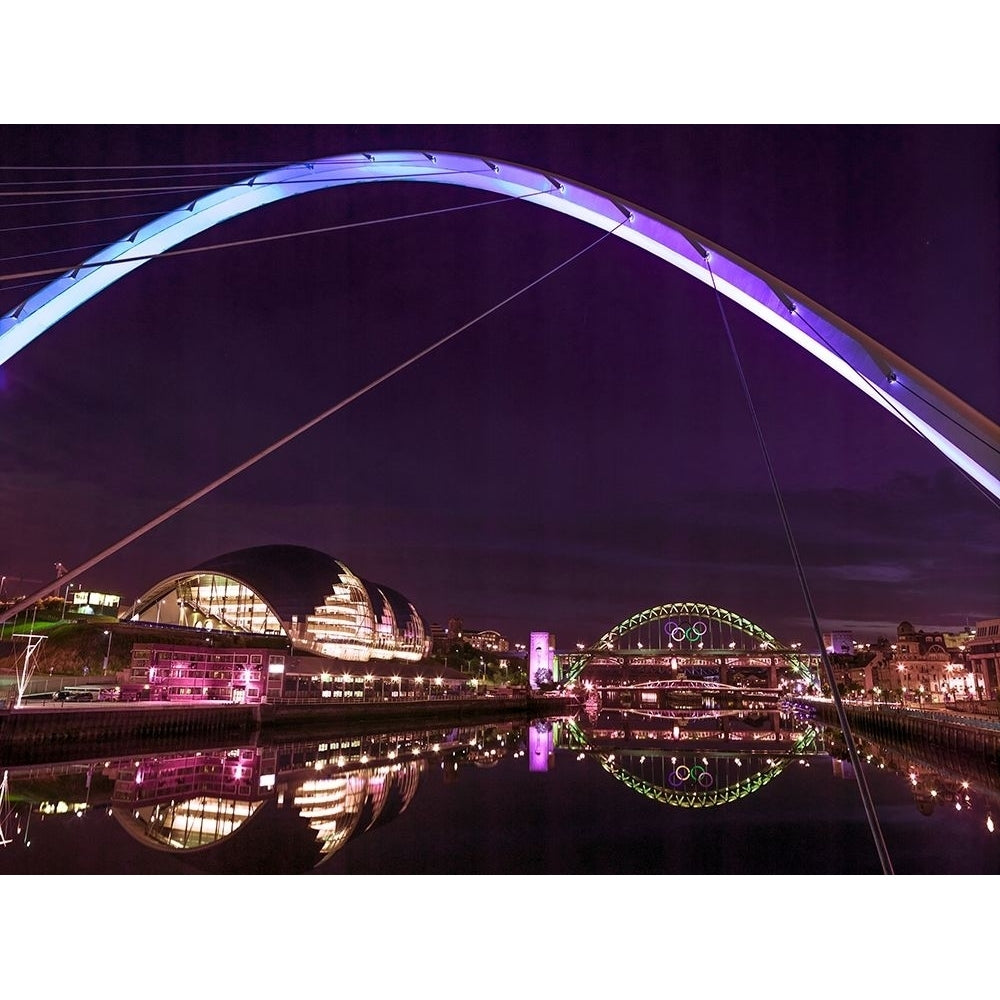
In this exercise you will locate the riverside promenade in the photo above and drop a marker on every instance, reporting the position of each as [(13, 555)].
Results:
[(34, 732), (969, 732)]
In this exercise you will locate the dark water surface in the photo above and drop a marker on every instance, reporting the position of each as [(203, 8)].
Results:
[(716, 793)]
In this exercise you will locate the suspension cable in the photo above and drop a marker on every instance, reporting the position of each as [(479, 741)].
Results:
[(144, 166), (78, 222), (114, 194), (873, 823), (183, 251), (281, 442), (238, 172)]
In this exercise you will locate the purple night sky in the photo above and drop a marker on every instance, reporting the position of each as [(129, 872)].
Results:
[(580, 455)]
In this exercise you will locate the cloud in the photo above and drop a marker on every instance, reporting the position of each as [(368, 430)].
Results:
[(871, 573)]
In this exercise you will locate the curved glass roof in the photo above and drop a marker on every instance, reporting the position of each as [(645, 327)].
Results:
[(292, 579), (264, 589)]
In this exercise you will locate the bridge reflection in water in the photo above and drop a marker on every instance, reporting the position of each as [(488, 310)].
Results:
[(307, 799), (293, 805), (693, 757)]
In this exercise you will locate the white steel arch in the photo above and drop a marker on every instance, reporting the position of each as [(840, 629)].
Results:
[(962, 434)]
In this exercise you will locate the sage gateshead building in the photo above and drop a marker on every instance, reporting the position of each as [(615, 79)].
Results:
[(304, 596)]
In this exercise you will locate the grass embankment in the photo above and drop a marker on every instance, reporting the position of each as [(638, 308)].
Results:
[(72, 648), (69, 647)]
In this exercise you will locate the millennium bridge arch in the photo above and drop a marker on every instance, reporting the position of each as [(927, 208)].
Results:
[(965, 436)]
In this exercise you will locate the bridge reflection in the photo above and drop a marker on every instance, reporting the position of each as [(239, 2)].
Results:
[(695, 758), (291, 806)]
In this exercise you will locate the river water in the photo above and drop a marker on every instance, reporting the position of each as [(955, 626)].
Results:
[(727, 793)]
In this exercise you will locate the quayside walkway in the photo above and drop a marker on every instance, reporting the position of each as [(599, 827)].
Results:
[(30, 732), (966, 732)]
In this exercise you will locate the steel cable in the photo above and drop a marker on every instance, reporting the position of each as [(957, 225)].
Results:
[(866, 800)]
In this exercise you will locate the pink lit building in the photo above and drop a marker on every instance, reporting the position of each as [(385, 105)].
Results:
[(199, 673)]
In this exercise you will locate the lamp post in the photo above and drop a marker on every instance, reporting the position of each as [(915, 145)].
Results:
[(107, 652), (69, 587)]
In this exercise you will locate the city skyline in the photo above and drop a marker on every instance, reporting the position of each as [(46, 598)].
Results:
[(579, 455)]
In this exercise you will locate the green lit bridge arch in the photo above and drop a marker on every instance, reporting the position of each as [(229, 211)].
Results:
[(691, 779), (688, 629)]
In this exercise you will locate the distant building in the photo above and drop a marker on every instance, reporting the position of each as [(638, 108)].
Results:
[(983, 655), (924, 666), (439, 638), (488, 641), (839, 642)]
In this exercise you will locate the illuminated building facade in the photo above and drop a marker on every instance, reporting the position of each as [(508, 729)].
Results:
[(925, 666), (199, 673), (289, 591), (488, 641), (983, 653), (253, 675)]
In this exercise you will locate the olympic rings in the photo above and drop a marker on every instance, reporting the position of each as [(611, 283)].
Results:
[(683, 773), (692, 633)]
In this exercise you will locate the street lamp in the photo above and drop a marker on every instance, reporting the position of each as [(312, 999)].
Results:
[(69, 587), (107, 652)]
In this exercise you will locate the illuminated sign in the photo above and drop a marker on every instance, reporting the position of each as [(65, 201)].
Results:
[(95, 599), (691, 633)]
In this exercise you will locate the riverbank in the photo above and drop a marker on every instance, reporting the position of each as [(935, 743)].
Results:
[(38, 733), (968, 733)]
